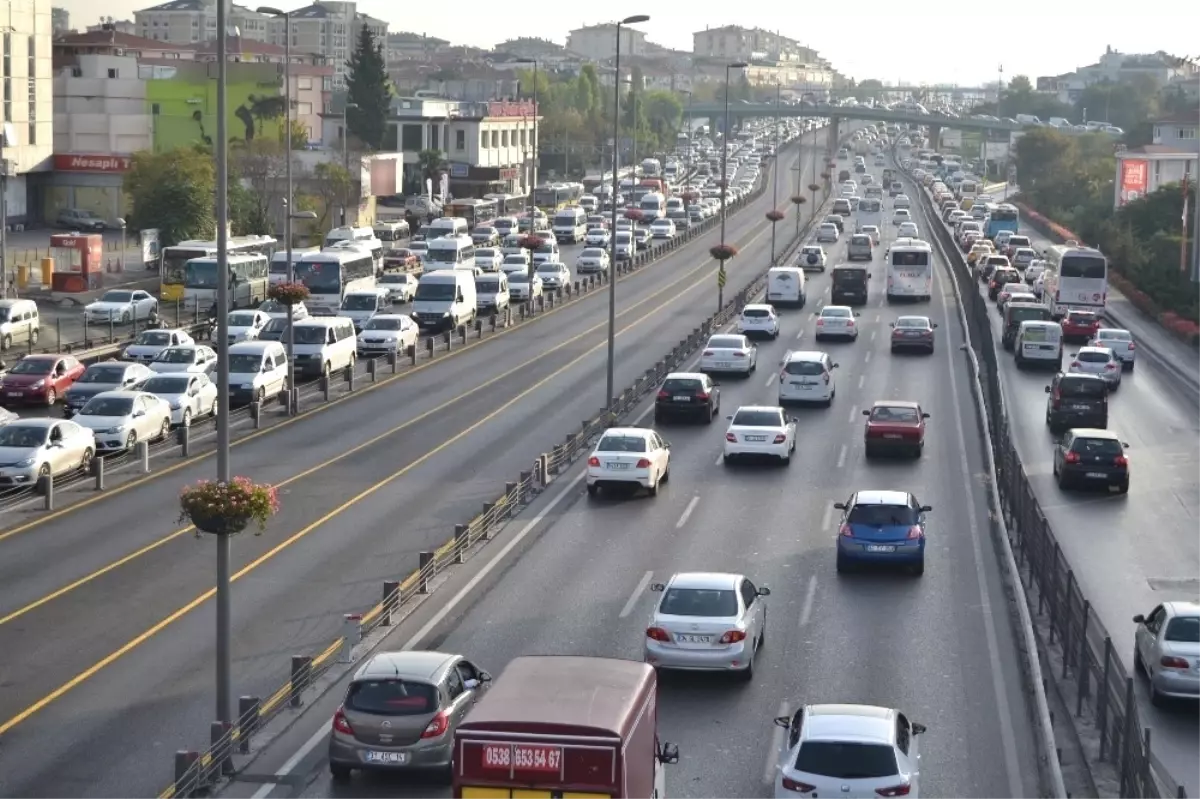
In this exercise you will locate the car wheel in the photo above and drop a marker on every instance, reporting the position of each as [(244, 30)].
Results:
[(51, 397), (592, 490), (125, 318), (843, 565), (727, 460), (666, 475), (747, 674), (1131, 364), (33, 336), (85, 462), (919, 569), (1061, 481), (6, 342), (339, 772), (165, 429), (1123, 487), (186, 421), (131, 440), (1156, 698), (653, 489), (212, 409)]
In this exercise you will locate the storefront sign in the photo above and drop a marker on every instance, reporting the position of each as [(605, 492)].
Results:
[(492, 174), (459, 170), (69, 162), (1134, 179)]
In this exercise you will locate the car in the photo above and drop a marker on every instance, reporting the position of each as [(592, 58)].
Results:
[(860, 247), (980, 249), (1013, 294), (1000, 278), (402, 287), (729, 353), (807, 376), (827, 232), (1022, 257), (597, 237), (1076, 400), (707, 621), (149, 343), (1090, 456), (120, 419), (760, 431), (554, 275), (894, 426), (39, 379), (401, 710), (837, 221), (592, 260), (913, 333), (485, 236), (811, 258), (384, 334), (515, 262), (1080, 325), (641, 237), (1118, 340), (243, 326), (100, 377), (901, 201), (885, 528), (121, 307), (837, 321), (81, 219), (521, 287), (873, 232), (189, 396), (1166, 648), (1033, 274), (662, 229), (1099, 361), (848, 750), (191, 358), (900, 216), (687, 394), (405, 259), (758, 320), (629, 457), (486, 258), (908, 230), (278, 310), (35, 448)]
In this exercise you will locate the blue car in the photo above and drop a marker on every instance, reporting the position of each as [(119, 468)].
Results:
[(883, 528)]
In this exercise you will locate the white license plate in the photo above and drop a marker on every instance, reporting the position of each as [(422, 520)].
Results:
[(682, 398), (16, 393), (395, 758), (891, 435), (880, 548), (1078, 407), (756, 438), (618, 466), (1097, 475), (723, 364), (693, 639)]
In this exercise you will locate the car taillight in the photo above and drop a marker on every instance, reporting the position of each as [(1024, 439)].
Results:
[(846, 531), (437, 725), (1074, 364), (895, 790), (1131, 346), (1109, 367), (663, 394), (731, 438), (797, 786), (849, 323), (732, 637), (915, 532), (739, 354), (820, 322), (780, 438), (703, 395), (658, 634), (708, 352), (1071, 457), (643, 463), (1171, 662), (593, 461), (826, 377), (1120, 460), (340, 724)]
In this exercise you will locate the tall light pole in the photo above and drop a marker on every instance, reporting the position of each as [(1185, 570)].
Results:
[(616, 186), (688, 128), (533, 157), (775, 175), (346, 153), (725, 179)]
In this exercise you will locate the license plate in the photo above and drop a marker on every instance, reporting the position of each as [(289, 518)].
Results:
[(1097, 475), (880, 548), (1078, 407), (618, 466), (891, 435), (693, 639), (723, 364), (683, 399), (756, 438), (16, 393), (395, 758)]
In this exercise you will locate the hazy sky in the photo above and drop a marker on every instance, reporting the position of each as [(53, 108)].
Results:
[(931, 41)]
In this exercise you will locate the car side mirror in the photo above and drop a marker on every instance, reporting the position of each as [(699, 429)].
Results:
[(1139, 619), (926, 508), (933, 325), (924, 416), (919, 729), (783, 721), (485, 677), (1125, 444), (866, 413), (764, 591), (839, 505), (668, 753), (138, 413), (716, 382)]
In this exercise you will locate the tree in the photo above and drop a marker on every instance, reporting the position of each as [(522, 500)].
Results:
[(173, 191), (432, 164), (332, 184), (367, 91), (867, 88), (1128, 104), (1045, 159), (1020, 85), (662, 114), (260, 166), (299, 135)]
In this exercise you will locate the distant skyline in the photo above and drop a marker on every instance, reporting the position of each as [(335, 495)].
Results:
[(937, 42)]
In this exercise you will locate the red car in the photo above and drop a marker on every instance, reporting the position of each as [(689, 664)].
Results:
[(895, 426), (39, 379), (400, 258), (1080, 325)]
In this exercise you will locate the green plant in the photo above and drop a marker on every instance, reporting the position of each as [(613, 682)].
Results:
[(288, 293), (226, 508), (775, 215), (722, 252)]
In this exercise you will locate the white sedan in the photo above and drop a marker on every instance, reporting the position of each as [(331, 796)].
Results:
[(33, 448), (512, 261), (192, 358), (662, 229), (120, 419), (901, 216), (1099, 361), (121, 307), (828, 232), (190, 396), (837, 321), (277, 310), (387, 333), (591, 260), (554, 274), (597, 237), (902, 201), (729, 353), (521, 288), (488, 258), (908, 230), (760, 431), (149, 343), (401, 286), (759, 319), (630, 457), (246, 325)]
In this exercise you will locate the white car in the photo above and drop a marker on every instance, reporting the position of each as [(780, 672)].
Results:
[(908, 230), (33, 448), (189, 396), (521, 288), (191, 358), (402, 287), (662, 229), (277, 310), (120, 419), (848, 750), (873, 232), (1034, 271), (759, 319), (597, 237), (591, 260), (812, 258), (515, 262), (629, 456), (121, 307), (554, 275), (729, 353), (901, 216), (488, 258), (149, 343), (807, 376), (828, 233), (246, 325), (760, 431), (1119, 341), (1098, 361), (386, 333), (902, 201), (837, 321)]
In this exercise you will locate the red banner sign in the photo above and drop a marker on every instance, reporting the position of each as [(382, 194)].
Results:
[(512, 108), (70, 162), (1135, 179)]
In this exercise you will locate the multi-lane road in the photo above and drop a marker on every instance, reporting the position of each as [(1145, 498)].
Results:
[(106, 620), (940, 647)]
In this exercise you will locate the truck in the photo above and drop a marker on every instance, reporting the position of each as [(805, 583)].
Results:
[(561, 725), (887, 177)]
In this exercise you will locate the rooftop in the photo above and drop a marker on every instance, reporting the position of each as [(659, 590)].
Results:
[(115, 38)]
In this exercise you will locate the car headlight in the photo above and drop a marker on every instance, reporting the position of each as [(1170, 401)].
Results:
[(176, 404), (113, 430), (38, 384), (26, 462)]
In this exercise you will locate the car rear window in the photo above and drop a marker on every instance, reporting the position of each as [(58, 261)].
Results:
[(698, 602), (1097, 446), (678, 385), (1115, 335), (1184, 629), (758, 419), (392, 697), (1093, 357), (1081, 317), (846, 761), (756, 312), (888, 414), (804, 368), (1082, 387), (726, 342), (621, 444)]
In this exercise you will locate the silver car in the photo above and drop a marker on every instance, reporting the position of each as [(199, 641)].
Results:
[(401, 710), (828, 232), (1119, 341), (707, 621), (1099, 361), (1166, 648), (33, 448)]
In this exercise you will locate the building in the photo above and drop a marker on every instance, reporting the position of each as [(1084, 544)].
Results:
[(532, 47), (60, 21), (191, 21), (599, 42), (735, 43), (27, 103), (405, 46), (331, 30), (1162, 69), (1173, 155)]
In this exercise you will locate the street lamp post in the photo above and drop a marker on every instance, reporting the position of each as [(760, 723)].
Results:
[(688, 128), (346, 152), (533, 158), (775, 175), (616, 186), (725, 179), (124, 242)]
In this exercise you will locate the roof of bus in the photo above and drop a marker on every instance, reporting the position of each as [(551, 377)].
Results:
[(233, 258), (332, 255)]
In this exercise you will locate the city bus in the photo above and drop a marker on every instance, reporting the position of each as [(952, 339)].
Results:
[(476, 212), (552, 197), (247, 280), (509, 204), (1076, 278), (334, 271), (175, 258), (1002, 217), (967, 191), (910, 270)]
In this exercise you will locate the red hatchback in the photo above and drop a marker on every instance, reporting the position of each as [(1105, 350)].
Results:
[(39, 379), (1080, 325), (895, 426)]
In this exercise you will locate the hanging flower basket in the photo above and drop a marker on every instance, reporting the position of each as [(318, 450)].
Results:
[(690, 197), (814, 187), (633, 213), (723, 252), (229, 508), (825, 176), (531, 242), (799, 199), (288, 293), (774, 215)]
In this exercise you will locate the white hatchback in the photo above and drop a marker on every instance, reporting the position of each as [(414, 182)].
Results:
[(759, 319), (1099, 361), (760, 431), (908, 230), (837, 321), (629, 456), (662, 229), (729, 353), (807, 376)]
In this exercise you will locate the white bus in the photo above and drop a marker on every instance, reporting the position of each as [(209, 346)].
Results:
[(174, 259), (570, 225), (967, 191), (1075, 277), (450, 252), (364, 236), (279, 263), (247, 281), (332, 272), (910, 270)]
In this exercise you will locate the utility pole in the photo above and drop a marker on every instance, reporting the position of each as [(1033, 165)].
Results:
[(346, 157)]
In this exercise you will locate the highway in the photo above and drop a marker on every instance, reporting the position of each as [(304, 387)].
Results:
[(1129, 553), (107, 620), (940, 647)]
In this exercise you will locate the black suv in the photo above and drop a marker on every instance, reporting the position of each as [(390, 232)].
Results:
[(687, 394), (1076, 401)]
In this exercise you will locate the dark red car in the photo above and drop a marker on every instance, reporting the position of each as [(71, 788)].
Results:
[(895, 426), (1080, 325), (39, 379), (400, 259)]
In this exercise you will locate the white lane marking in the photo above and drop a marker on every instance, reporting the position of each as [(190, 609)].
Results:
[(878, 317), (636, 595), (800, 335), (687, 512), (867, 359), (873, 334), (771, 378), (721, 456), (853, 413), (809, 596), (827, 518), (842, 456), (776, 745), (861, 379)]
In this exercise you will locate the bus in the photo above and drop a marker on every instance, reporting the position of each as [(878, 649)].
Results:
[(552, 197), (1076, 278), (509, 204), (1003, 217), (967, 191), (279, 263), (247, 280), (450, 252), (910, 270), (597, 181), (175, 258), (332, 272), (363, 236), (476, 212)]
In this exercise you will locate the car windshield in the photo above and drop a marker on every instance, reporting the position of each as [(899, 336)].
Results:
[(103, 374), (117, 296), (392, 697), (395, 279), (621, 443), (726, 342), (913, 321), (383, 323), (154, 338), (1081, 317), (766, 418), (593, 252), (756, 313), (487, 285), (245, 363), (549, 268), (518, 277), (836, 313), (273, 329), (108, 406), (310, 335), (1115, 335), (32, 366), (682, 385), (176, 355), (166, 385), (360, 302), (860, 239), (698, 602), (241, 320), (892, 414), (1183, 629), (842, 760), (15, 435), (804, 368), (1083, 387), (1093, 357)]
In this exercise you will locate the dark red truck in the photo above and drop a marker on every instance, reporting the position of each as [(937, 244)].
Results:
[(564, 726)]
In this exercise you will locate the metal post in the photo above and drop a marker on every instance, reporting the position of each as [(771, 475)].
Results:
[(4, 277), (143, 453), (690, 128), (616, 187), (124, 246), (724, 181), (775, 177), (346, 153), (287, 206)]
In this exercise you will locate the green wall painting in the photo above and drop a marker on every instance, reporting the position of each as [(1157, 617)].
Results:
[(182, 101)]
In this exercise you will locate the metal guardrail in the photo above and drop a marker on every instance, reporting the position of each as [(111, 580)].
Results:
[(1104, 695)]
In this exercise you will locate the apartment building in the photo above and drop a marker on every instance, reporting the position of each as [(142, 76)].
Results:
[(735, 43), (110, 24), (407, 46), (329, 29), (191, 21), (1171, 157), (25, 68), (599, 42)]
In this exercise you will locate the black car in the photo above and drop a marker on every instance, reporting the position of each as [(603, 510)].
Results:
[(1076, 400), (688, 395), (849, 285), (1087, 456)]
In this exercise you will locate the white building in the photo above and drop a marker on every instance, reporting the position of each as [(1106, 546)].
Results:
[(599, 42), (27, 100), (191, 21), (1173, 155)]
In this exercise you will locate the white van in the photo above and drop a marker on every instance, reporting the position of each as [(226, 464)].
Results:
[(257, 371), (445, 299), (653, 206), (570, 225), (446, 226), (451, 252), (360, 306), (1039, 344), (786, 285), (491, 293), (19, 323), (324, 344), (626, 246)]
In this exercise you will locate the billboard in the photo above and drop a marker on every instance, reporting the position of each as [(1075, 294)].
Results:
[(182, 102), (1133, 178)]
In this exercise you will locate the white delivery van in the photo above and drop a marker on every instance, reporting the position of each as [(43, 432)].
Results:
[(446, 226), (1039, 344), (653, 206), (786, 285), (20, 323), (257, 371), (626, 246), (570, 225), (324, 344), (451, 252), (445, 299), (360, 306), (491, 293)]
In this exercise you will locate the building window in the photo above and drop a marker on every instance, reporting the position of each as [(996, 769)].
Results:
[(304, 109), (112, 73), (495, 138), (1187, 133), (304, 84), (504, 138), (1157, 173), (460, 140), (410, 138), (1157, 133)]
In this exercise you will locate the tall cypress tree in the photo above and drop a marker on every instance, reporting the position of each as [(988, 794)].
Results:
[(367, 90)]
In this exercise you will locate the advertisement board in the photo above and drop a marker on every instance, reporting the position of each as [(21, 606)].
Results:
[(1133, 176), (182, 102)]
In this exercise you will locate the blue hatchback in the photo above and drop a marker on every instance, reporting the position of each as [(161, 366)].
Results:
[(882, 527)]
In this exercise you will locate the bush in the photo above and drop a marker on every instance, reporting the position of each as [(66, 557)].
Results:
[(774, 215), (531, 242), (723, 252), (288, 293), (798, 199)]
